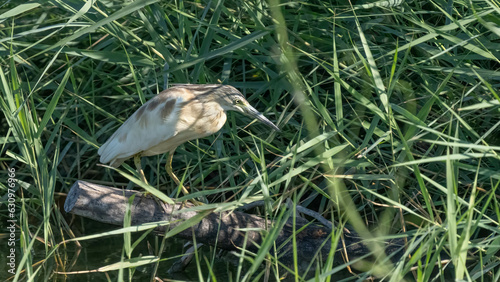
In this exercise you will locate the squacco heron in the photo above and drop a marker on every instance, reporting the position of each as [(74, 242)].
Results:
[(176, 115)]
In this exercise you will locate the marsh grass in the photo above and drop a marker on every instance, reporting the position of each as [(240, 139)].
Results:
[(389, 113)]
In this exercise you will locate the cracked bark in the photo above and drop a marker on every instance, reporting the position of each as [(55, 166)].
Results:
[(225, 230)]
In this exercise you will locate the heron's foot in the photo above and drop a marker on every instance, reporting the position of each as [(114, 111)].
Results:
[(196, 203), (192, 201), (185, 191), (158, 201), (147, 194)]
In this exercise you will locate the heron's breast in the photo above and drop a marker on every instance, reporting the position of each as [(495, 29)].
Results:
[(200, 120), (209, 125)]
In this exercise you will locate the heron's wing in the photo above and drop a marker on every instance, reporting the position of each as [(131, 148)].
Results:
[(153, 123)]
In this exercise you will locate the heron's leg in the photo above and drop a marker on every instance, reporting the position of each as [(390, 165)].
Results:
[(138, 166), (168, 168)]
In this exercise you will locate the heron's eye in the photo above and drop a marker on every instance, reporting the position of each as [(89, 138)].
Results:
[(238, 102)]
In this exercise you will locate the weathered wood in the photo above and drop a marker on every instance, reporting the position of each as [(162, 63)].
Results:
[(108, 205)]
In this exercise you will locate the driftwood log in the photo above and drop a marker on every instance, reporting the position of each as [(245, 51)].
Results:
[(223, 230)]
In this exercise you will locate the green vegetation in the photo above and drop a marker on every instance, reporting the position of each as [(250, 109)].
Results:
[(389, 115)]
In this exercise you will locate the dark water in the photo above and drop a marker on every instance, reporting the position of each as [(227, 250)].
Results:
[(97, 253), (100, 252)]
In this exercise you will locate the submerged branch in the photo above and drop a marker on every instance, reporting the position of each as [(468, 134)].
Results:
[(224, 230)]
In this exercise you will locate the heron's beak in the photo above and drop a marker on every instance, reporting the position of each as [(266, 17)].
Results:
[(252, 112)]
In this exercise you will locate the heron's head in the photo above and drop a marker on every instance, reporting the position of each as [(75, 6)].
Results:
[(231, 99)]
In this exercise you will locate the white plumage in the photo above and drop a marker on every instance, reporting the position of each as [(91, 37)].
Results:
[(176, 115)]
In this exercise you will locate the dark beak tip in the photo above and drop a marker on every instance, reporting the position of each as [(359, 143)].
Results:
[(259, 116), (273, 126)]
